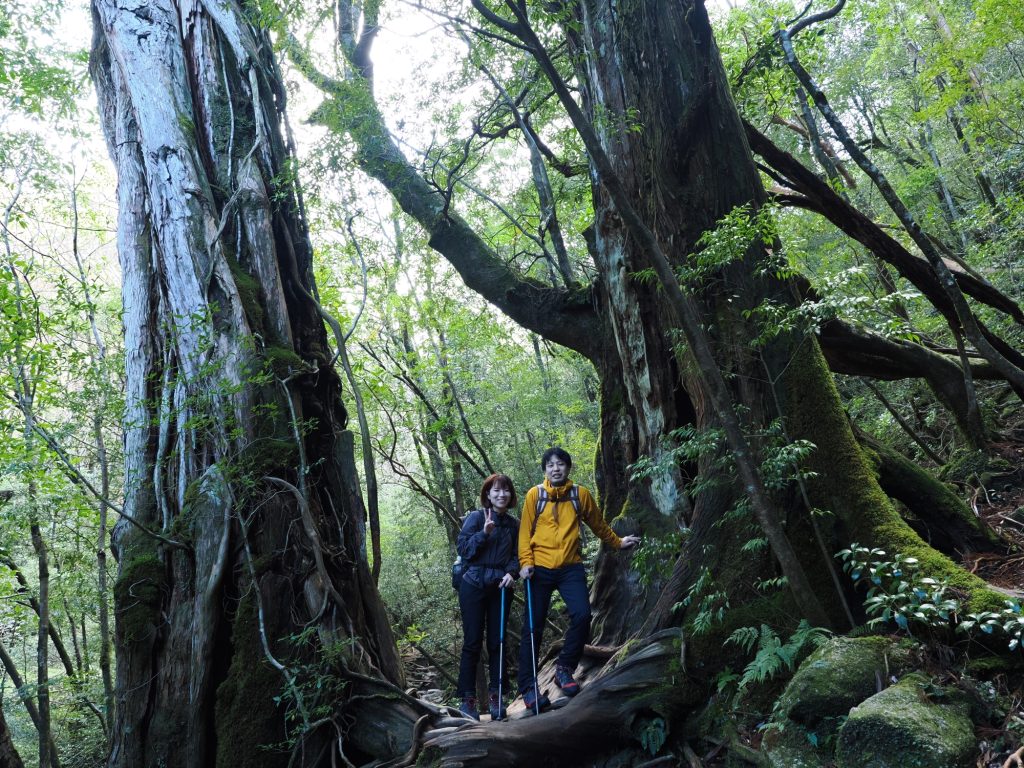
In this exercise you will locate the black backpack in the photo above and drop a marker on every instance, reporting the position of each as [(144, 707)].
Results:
[(460, 566), (458, 569)]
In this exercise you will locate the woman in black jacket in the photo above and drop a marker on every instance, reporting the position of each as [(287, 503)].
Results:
[(488, 547)]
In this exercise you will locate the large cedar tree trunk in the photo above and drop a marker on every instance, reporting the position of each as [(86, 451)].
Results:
[(241, 552), (678, 146)]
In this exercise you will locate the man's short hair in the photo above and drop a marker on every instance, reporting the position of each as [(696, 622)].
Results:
[(555, 453)]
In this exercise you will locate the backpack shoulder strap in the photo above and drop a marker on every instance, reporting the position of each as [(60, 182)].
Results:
[(542, 499), (470, 515), (574, 497)]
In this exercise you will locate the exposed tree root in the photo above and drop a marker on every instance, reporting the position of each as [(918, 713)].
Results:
[(942, 519), (414, 749), (606, 715), (692, 759)]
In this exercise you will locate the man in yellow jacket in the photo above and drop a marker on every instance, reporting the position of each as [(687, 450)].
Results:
[(550, 557)]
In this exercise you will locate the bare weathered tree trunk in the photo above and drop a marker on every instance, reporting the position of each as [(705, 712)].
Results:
[(235, 436)]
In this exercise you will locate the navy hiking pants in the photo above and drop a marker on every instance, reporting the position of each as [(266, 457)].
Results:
[(571, 583)]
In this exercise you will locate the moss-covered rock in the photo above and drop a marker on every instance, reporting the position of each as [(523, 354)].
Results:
[(910, 725), (839, 675), (971, 466), (793, 748)]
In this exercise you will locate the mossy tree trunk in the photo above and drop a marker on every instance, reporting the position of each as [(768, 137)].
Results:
[(650, 76), (241, 550)]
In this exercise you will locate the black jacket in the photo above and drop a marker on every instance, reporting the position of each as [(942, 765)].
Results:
[(489, 558)]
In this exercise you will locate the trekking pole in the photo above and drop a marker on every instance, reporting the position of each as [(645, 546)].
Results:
[(501, 650), (533, 649)]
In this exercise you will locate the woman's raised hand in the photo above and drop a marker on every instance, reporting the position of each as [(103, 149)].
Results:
[(489, 522)]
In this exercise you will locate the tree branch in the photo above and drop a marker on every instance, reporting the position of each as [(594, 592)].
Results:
[(565, 317)]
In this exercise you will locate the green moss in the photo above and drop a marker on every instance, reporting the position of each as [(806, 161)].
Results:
[(248, 722), (183, 525), (913, 724), (793, 748), (989, 666), (623, 653), (186, 124), (649, 520), (974, 466), (430, 757), (927, 497), (839, 675), (964, 465), (251, 295), (845, 483), (266, 455), (282, 361), (138, 594)]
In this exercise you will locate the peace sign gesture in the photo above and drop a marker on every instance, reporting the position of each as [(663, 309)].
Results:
[(489, 522)]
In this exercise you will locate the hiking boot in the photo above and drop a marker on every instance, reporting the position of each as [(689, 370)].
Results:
[(468, 707), (530, 700), (565, 681), (496, 707)]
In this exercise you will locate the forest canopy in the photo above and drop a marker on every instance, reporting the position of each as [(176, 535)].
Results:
[(281, 286)]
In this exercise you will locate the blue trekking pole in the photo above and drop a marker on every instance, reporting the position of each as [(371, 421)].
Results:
[(501, 651), (533, 649)]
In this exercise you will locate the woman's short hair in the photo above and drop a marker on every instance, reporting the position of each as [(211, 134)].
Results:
[(502, 481), (555, 453)]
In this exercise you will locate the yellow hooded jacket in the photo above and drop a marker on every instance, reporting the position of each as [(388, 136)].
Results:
[(556, 540)]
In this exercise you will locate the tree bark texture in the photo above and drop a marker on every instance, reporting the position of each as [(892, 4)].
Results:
[(652, 81), (235, 440), (688, 165), (9, 757)]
